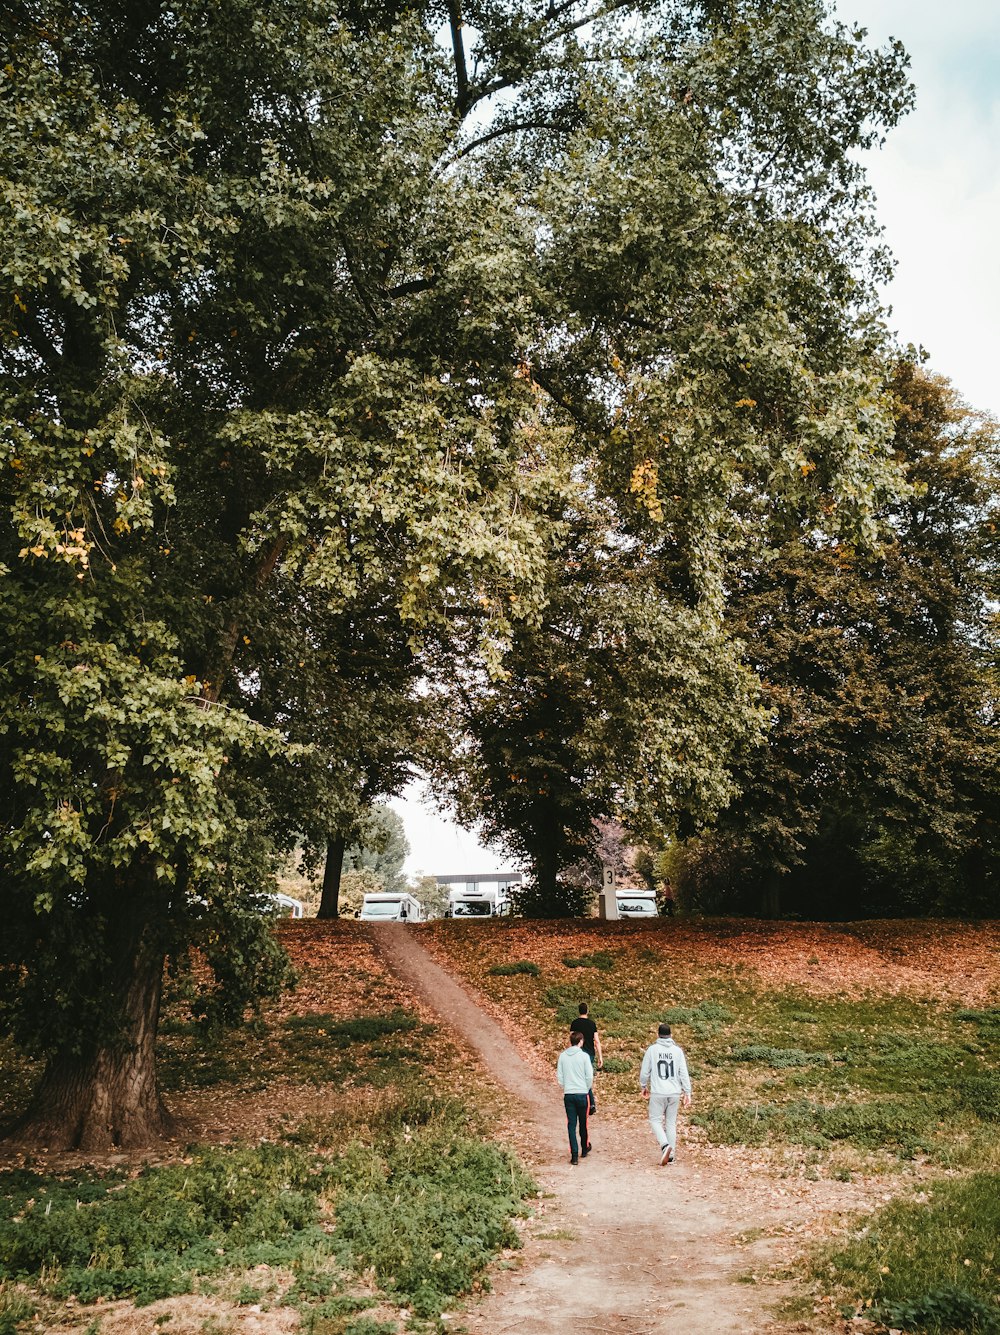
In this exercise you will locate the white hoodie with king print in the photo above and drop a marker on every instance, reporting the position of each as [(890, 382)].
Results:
[(664, 1069)]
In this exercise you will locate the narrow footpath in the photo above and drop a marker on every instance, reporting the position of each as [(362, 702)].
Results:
[(620, 1246)]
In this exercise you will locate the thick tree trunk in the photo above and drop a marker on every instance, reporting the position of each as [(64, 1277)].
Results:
[(329, 904), (770, 898), (105, 1095)]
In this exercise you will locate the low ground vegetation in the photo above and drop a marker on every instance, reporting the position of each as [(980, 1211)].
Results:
[(339, 1180), (836, 1052), (371, 1214)]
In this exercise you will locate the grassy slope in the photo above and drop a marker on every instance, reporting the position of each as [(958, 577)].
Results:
[(865, 1049), (354, 1184), (358, 1184)]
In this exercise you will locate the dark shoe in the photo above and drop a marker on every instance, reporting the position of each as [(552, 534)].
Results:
[(574, 1160), (584, 1153)]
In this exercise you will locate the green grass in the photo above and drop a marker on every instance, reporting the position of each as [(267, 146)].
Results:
[(597, 959), (519, 966), (927, 1264), (422, 1200), (778, 1067)]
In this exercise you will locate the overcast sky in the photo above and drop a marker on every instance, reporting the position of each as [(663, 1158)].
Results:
[(938, 183)]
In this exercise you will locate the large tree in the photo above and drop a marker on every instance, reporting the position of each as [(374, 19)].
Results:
[(304, 298), (874, 791)]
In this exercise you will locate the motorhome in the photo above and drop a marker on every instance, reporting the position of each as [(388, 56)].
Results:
[(482, 895), (635, 903), (388, 907), (489, 902)]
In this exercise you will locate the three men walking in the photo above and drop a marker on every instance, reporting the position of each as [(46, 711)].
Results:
[(663, 1080)]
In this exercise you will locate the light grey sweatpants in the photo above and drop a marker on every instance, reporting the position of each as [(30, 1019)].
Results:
[(663, 1109)]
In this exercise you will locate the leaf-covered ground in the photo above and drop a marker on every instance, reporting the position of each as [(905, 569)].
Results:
[(855, 1067), (846, 1084)]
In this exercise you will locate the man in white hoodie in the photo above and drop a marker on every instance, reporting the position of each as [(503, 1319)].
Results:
[(664, 1080)]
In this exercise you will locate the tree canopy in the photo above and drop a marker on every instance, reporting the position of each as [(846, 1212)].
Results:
[(874, 793), (317, 324)]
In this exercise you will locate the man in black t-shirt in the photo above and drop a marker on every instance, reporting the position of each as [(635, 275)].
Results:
[(584, 1025)]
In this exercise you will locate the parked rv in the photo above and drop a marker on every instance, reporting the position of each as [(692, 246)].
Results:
[(636, 903), (388, 907), (479, 894), (486, 902)]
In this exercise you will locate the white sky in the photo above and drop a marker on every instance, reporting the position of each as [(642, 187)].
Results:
[(938, 184)]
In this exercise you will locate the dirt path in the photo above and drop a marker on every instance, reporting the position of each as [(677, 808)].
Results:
[(620, 1246)]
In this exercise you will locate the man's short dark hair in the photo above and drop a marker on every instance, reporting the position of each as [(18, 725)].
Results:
[(664, 1030), (575, 1037), (583, 1008)]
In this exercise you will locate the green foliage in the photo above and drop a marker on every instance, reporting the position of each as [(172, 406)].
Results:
[(777, 1057), (321, 373), (382, 849), (702, 1010), (981, 1095), (15, 1309), (423, 1202), (928, 1264), (442, 1209), (146, 1238), (597, 959), (518, 966), (315, 1048), (559, 899), (616, 1066), (361, 1029), (874, 792), (871, 1125)]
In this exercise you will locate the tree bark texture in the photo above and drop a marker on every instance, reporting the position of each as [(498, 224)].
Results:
[(329, 904), (105, 1094)]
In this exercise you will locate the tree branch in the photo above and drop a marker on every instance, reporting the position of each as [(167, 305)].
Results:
[(458, 51)]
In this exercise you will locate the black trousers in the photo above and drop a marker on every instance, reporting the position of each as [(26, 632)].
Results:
[(577, 1108)]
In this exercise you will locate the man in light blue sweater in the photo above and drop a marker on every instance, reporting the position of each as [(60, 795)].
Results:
[(575, 1073), (664, 1080)]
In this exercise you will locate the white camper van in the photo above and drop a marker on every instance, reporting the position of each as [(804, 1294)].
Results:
[(635, 903), (487, 901), (391, 908)]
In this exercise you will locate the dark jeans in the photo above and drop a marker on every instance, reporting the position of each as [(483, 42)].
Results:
[(593, 1062), (577, 1106)]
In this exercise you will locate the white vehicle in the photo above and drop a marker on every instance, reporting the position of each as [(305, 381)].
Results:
[(635, 903), (391, 908), (286, 907), (487, 901)]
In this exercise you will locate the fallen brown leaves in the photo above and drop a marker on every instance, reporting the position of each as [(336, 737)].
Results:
[(955, 961)]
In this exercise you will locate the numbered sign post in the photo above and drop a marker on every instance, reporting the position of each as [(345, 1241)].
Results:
[(609, 900)]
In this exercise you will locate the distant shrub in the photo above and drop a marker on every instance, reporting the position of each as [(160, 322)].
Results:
[(362, 1029), (519, 966), (567, 900), (617, 1065), (599, 959), (804, 1017)]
